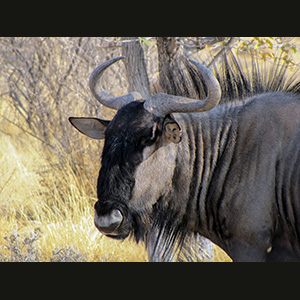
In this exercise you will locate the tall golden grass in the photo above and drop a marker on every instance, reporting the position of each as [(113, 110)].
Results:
[(39, 193)]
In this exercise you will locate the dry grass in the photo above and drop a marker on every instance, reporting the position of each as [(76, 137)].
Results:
[(46, 213)]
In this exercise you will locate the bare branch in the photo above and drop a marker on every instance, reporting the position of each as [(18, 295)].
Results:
[(26, 131)]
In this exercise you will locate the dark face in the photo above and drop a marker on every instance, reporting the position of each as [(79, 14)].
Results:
[(132, 129), (133, 155)]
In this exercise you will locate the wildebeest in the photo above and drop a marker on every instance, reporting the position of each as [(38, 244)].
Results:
[(175, 166)]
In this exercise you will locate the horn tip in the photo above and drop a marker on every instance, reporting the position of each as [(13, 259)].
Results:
[(119, 57), (195, 62)]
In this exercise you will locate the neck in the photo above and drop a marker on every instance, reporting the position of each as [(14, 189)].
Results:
[(210, 138)]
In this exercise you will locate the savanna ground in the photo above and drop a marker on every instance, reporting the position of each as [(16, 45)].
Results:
[(48, 171)]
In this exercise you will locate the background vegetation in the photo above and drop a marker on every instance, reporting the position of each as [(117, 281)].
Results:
[(48, 171)]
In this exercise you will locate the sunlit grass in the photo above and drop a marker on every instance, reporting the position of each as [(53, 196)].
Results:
[(38, 193)]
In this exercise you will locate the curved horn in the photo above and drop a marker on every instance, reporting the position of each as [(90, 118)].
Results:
[(163, 104), (103, 97)]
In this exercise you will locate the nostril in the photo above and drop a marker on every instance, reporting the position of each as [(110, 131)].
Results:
[(109, 222)]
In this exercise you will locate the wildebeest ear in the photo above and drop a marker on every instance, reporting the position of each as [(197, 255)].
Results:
[(172, 130), (92, 127)]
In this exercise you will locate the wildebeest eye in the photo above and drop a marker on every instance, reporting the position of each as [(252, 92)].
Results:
[(150, 139)]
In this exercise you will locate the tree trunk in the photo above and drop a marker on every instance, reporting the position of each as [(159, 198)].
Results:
[(173, 76), (166, 64), (135, 66), (176, 75)]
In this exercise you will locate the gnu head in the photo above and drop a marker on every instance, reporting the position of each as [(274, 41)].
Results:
[(143, 133)]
